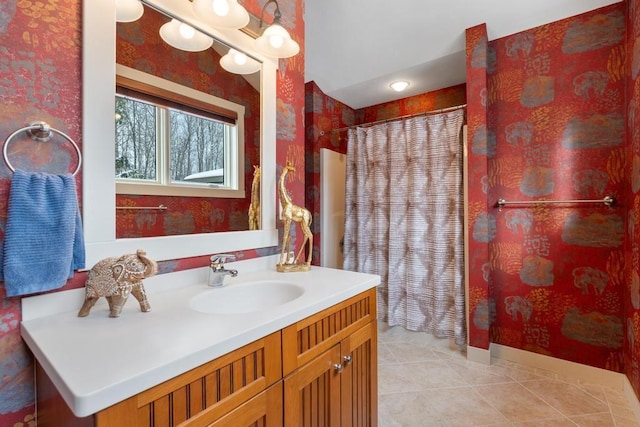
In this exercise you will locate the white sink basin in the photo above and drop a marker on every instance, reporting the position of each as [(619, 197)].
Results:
[(246, 297)]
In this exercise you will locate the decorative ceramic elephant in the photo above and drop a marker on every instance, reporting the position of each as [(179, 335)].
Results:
[(116, 278)]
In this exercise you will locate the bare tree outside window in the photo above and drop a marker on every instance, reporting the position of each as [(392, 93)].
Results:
[(135, 139), (197, 148)]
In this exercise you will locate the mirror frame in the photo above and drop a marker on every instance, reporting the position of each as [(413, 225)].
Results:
[(98, 132)]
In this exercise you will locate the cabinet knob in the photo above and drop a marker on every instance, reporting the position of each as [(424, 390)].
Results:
[(346, 359), (338, 367)]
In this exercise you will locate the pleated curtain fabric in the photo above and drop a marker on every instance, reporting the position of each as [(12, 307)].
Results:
[(404, 220)]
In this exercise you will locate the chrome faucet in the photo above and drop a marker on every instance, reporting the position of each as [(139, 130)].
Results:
[(217, 272)]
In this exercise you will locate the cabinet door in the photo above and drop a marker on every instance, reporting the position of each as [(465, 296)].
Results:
[(312, 393), (359, 385), (264, 410)]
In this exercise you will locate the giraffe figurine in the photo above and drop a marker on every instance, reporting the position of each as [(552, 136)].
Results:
[(296, 214), (254, 206)]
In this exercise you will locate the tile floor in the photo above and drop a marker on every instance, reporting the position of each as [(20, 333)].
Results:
[(425, 381)]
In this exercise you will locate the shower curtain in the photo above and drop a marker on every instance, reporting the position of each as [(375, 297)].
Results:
[(404, 220)]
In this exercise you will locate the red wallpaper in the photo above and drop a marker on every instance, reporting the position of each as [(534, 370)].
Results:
[(631, 296), (429, 101), (139, 46), (554, 130), (535, 80), (481, 307), (324, 113), (40, 70)]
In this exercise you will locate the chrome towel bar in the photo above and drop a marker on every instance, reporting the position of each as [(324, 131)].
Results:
[(159, 207), (607, 200)]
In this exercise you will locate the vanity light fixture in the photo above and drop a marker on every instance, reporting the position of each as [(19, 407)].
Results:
[(239, 63), (128, 10), (275, 41), (184, 37), (399, 85), (221, 13)]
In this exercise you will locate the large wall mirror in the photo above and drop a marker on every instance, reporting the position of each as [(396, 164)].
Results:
[(99, 187)]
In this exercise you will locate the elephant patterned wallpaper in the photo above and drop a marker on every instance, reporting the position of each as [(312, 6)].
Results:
[(481, 307), (139, 46), (556, 131), (631, 320), (548, 122), (40, 71), (324, 113)]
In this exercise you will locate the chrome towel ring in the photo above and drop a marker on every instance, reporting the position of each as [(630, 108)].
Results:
[(41, 132)]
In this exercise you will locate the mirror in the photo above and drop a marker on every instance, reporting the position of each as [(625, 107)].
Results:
[(190, 207), (99, 155)]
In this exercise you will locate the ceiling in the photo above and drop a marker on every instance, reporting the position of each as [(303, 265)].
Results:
[(355, 48)]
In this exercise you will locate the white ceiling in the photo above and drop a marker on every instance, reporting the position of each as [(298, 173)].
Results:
[(355, 48)]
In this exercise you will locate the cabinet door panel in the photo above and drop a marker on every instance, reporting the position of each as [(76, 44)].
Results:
[(312, 393), (359, 386), (264, 410)]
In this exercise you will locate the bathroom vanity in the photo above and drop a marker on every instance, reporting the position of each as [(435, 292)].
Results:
[(266, 349)]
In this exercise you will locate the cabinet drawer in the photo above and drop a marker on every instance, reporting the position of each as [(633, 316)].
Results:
[(314, 335)]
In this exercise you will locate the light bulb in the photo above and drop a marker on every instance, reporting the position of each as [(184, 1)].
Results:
[(186, 31), (184, 37), (221, 7), (128, 10), (399, 86), (240, 58), (276, 41)]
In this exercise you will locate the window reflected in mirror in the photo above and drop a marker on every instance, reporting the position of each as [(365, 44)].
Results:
[(160, 143)]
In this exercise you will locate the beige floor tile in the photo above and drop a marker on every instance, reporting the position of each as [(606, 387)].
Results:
[(384, 355), (516, 402), (406, 410), (473, 374), (395, 378), (594, 420), (517, 372), (566, 398), (411, 352), (623, 422), (443, 407), (622, 411), (615, 397), (425, 381), (552, 422), (594, 390)]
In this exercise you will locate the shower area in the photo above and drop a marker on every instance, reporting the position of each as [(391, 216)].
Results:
[(393, 205)]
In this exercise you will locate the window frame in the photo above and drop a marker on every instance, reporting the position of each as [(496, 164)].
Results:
[(194, 101)]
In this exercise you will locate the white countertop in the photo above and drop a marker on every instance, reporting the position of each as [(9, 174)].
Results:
[(97, 361)]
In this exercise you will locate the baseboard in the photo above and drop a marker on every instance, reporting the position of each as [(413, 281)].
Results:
[(565, 368), (630, 394), (479, 355)]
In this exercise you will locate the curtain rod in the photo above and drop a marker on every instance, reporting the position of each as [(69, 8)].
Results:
[(424, 113)]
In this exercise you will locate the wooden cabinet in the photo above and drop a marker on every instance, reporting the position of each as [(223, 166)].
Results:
[(319, 372), (196, 398), (330, 363)]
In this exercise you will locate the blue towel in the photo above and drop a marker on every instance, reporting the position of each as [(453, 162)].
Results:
[(43, 240)]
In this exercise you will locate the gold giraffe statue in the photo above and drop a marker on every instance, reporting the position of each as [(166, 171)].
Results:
[(293, 213), (254, 206)]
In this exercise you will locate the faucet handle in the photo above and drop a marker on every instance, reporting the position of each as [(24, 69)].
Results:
[(220, 259)]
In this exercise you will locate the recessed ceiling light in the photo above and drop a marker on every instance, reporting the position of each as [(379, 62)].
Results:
[(399, 86)]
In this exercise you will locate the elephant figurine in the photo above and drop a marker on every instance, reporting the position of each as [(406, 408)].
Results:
[(115, 278)]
